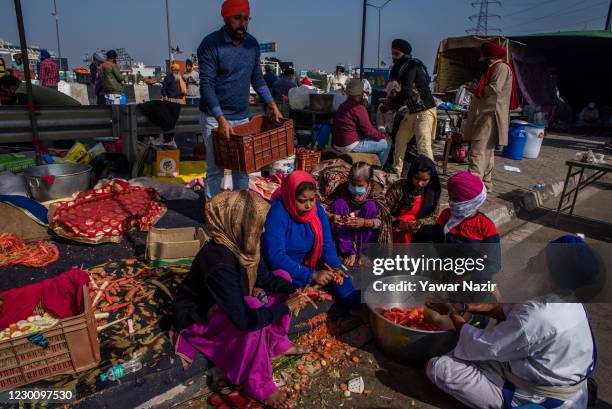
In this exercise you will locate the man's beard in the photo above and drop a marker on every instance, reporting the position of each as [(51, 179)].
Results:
[(484, 65), (239, 34), (176, 75)]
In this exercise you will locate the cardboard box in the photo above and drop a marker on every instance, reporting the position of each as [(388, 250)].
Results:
[(166, 161), (174, 247)]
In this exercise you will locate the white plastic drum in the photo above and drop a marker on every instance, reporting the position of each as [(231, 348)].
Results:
[(535, 136)]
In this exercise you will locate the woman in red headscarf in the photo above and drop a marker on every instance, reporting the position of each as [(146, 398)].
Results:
[(489, 116), (297, 238)]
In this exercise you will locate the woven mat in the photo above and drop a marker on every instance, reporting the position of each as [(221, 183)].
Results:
[(149, 341)]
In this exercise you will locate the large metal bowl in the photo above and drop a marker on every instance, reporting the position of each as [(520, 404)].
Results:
[(406, 345), (68, 178)]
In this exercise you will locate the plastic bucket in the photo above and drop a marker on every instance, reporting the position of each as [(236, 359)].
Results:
[(516, 142), (535, 136)]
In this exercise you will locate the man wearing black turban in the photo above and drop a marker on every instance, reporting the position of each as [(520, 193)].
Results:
[(415, 95)]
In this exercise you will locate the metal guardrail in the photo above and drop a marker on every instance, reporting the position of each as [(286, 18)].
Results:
[(126, 122), (56, 123)]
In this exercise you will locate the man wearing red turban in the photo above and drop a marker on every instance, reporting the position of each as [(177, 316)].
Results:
[(229, 61), (489, 116), (232, 8)]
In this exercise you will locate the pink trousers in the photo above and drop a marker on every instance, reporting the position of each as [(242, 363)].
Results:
[(244, 356)]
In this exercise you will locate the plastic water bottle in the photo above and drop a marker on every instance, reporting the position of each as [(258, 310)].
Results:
[(539, 186), (120, 370)]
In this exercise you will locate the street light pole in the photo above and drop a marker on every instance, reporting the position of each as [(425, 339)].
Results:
[(363, 33), (31, 106), (168, 28), (378, 55), (59, 46), (379, 8)]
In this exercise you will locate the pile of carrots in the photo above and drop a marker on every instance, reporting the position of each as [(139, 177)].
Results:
[(14, 251), (410, 318), (110, 294), (81, 70)]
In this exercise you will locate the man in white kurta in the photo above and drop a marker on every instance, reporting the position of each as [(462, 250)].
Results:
[(547, 347), (338, 81)]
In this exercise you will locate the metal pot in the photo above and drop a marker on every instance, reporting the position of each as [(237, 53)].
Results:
[(50, 182), (406, 345)]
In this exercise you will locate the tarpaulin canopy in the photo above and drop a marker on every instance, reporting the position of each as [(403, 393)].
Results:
[(580, 60), (457, 59)]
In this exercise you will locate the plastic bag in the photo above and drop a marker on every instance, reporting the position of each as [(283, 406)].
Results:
[(13, 185), (169, 191)]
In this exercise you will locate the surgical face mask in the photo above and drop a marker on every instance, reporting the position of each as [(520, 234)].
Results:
[(357, 190)]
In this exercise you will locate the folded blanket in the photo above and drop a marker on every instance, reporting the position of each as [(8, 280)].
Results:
[(104, 215)]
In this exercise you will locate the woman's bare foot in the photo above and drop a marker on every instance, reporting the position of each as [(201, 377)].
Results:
[(278, 400), (298, 350)]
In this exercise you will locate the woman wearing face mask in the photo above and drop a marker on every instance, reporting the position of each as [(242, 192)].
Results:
[(297, 238), (413, 203), (355, 209)]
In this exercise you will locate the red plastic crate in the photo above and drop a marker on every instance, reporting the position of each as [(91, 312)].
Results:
[(254, 145), (73, 347), (306, 160)]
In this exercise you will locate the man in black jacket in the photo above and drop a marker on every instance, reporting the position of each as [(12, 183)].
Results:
[(415, 96)]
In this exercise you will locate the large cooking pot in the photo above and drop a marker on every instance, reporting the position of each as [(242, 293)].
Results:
[(406, 345), (50, 182)]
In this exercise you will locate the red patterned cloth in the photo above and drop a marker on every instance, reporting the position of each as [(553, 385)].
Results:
[(60, 296), (104, 215), (49, 73)]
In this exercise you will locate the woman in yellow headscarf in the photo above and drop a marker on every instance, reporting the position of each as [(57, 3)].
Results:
[(230, 295)]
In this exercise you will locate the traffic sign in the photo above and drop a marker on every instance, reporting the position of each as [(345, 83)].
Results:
[(267, 47)]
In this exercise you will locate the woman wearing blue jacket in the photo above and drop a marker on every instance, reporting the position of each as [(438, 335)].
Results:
[(297, 238)]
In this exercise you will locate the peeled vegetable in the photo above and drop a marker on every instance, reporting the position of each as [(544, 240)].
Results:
[(31, 325), (410, 317)]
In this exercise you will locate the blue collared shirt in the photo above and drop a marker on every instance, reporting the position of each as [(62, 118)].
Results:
[(226, 73)]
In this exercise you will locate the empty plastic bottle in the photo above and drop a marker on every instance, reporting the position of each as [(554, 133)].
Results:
[(120, 370)]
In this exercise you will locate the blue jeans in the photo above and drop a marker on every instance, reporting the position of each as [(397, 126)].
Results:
[(381, 148), (214, 174)]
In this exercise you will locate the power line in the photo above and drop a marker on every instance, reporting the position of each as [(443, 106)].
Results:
[(564, 12), (529, 8), (582, 22), (565, 26), (482, 18)]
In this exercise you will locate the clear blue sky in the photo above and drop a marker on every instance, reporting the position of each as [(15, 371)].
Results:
[(313, 34)]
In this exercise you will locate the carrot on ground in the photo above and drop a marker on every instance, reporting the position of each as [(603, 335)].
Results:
[(132, 292), (115, 307)]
